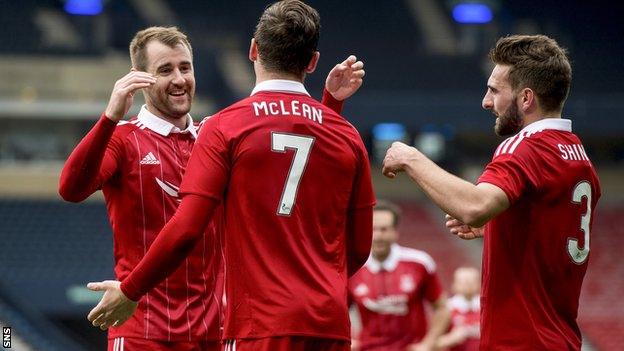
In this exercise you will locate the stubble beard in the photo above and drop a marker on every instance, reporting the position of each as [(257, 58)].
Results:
[(509, 122)]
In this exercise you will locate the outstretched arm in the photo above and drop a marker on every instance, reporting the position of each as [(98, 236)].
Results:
[(471, 204)]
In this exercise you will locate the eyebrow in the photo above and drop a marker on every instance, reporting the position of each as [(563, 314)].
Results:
[(168, 64), (163, 66)]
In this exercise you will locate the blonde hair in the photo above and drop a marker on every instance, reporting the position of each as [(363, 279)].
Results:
[(170, 36)]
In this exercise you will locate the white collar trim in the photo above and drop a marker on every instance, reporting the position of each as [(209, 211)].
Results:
[(389, 264), (163, 127), (549, 123), (283, 85)]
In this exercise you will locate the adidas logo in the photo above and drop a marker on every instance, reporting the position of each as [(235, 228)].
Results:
[(149, 159)]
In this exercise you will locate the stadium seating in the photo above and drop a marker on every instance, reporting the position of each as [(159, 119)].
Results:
[(51, 246), (422, 228), (601, 314), (30, 330)]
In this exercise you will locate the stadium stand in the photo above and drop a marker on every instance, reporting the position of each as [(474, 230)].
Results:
[(51, 246), (422, 227), (30, 330), (601, 305)]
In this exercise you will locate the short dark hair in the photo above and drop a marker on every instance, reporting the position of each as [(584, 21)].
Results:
[(539, 63), (384, 205), (170, 36), (287, 36)]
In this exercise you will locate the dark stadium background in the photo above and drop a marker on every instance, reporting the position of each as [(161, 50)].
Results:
[(426, 74)]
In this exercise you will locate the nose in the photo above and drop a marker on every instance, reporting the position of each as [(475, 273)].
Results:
[(178, 77), (487, 102)]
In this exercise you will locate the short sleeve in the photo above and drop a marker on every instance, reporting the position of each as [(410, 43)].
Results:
[(363, 194), (207, 171), (509, 173)]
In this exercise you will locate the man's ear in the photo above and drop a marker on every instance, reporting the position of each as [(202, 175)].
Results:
[(313, 62), (253, 50), (528, 100)]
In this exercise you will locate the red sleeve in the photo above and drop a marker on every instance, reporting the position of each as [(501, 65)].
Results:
[(174, 242), (207, 172), (434, 289), (331, 102), (509, 173), (93, 162), (362, 193), (360, 215), (359, 238)]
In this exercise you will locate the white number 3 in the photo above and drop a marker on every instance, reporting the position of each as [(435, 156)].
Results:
[(578, 255), (302, 146)]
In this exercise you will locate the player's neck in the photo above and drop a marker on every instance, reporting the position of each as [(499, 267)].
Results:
[(264, 75), (180, 122), (381, 257), (539, 115), (468, 297)]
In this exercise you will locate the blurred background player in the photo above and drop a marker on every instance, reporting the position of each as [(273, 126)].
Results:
[(295, 181), (391, 289), (465, 310), (139, 165), (537, 197)]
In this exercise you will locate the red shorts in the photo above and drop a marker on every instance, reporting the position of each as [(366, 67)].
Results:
[(287, 343), (138, 344)]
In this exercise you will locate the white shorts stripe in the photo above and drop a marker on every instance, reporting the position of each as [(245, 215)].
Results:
[(116, 344), (122, 344)]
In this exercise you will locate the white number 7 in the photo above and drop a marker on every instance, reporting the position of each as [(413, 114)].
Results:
[(578, 255), (302, 146)]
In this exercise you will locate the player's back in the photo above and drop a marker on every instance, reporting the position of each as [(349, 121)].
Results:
[(294, 173), (537, 251)]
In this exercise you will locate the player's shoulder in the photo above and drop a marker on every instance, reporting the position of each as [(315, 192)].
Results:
[(235, 108), (516, 145), (126, 127), (414, 256), (536, 138), (200, 124)]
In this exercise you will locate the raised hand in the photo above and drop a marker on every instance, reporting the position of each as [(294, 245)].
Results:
[(345, 78), (123, 93), (462, 230), (113, 309)]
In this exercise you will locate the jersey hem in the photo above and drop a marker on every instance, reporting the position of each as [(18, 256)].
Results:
[(308, 335), (163, 337)]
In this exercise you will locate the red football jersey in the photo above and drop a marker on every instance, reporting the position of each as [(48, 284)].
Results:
[(390, 298), (467, 314), (535, 253), (291, 170), (140, 172)]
